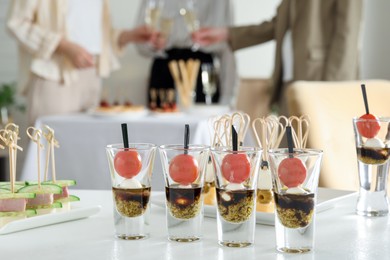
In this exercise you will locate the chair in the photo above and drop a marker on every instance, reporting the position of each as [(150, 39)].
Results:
[(331, 107)]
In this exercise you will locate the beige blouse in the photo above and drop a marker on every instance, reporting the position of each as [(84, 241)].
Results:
[(38, 26), (215, 13)]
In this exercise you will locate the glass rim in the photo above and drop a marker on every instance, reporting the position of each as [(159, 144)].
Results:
[(180, 147), (380, 119), (299, 151), (242, 149), (142, 146)]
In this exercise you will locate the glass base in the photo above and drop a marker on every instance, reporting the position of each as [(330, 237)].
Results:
[(234, 244), (131, 237), (373, 200), (380, 213), (372, 204), (185, 239), (293, 250)]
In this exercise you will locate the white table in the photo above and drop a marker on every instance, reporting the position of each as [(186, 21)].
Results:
[(83, 139), (340, 234)]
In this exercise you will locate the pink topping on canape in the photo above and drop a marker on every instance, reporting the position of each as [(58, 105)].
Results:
[(41, 199), (64, 194), (16, 205)]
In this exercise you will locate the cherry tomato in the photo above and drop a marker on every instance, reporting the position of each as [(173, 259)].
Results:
[(236, 167), (369, 128), (128, 163), (292, 172), (183, 169)]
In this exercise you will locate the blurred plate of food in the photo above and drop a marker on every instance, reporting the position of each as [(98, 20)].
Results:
[(119, 110)]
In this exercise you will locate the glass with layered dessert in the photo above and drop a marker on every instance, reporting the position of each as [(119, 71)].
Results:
[(184, 173), (131, 174), (295, 179), (372, 139), (209, 197), (236, 174)]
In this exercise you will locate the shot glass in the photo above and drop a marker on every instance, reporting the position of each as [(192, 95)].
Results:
[(295, 181), (131, 174), (372, 138), (184, 171), (236, 184)]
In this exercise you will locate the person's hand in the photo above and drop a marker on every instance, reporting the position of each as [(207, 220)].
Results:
[(209, 35), (79, 56), (140, 34), (158, 41)]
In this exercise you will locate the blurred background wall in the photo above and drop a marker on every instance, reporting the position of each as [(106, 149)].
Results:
[(254, 62)]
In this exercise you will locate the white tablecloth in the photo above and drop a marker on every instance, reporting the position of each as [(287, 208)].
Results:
[(83, 139), (340, 234)]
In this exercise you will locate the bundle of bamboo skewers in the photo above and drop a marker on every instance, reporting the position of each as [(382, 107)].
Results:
[(185, 75)]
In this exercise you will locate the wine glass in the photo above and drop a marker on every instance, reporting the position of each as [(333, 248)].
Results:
[(209, 81), (165, 27), (153, 13), (188, 12), (153, 16)]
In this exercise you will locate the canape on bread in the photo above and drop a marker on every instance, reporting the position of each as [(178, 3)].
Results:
[(13, 206), (64, 198), (43, 202)]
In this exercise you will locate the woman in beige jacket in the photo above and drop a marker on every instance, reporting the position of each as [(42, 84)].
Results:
[(65, 48), (322, 35)]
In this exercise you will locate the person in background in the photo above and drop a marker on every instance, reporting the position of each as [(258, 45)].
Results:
[(176, 44), (316, 40), (65, 49)]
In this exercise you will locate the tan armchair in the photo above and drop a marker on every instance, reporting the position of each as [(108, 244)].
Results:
[(331, 106)]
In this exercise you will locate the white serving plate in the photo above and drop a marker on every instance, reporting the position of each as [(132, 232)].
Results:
[(327, 198), (49, 219)]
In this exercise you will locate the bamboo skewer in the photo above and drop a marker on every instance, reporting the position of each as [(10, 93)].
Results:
[(35, 136), (174, 69), (222, 128), (185, 76), (300, 132), (272, 129), (15, 132), (52, 143), (9, 139)]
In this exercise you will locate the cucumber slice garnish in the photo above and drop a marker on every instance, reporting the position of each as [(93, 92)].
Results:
[(62, 183), (16, 183), (8, 186), (45, 188), (6, 194), (26, 213), (71, 198), (51, 206)]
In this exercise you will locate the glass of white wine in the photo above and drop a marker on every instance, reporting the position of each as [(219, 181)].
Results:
[(153, 13), (209, 81), (188, 12), (165, 27)]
